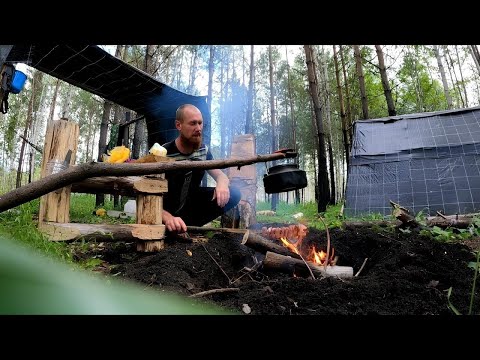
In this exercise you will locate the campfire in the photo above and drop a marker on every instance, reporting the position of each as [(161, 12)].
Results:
[(286, 253), (314, 256)]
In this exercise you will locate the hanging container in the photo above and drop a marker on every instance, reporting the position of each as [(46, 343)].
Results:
[(285, 177)]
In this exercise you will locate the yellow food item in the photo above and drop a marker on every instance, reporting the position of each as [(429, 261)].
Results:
[(101, 212), (158, 150), (119, 154)]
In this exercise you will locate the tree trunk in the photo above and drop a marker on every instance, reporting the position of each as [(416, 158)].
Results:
[(349, 109), (272, 118), (476, 56), (461, 77), (249, 115), (54, 102), (385, 83), (102, 143), (342, 108), (326, 94), (140, 125), (33, 106), (323, 185), (361, 80), (444, 78), (452, 69)]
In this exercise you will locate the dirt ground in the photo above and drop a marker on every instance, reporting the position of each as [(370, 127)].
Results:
[(405, 274)]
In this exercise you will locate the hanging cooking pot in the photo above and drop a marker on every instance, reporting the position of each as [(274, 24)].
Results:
[(285, 177)]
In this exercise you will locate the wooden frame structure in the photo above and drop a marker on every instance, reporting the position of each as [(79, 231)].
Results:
[(61, 142)]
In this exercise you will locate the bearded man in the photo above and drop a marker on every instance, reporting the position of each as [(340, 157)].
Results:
[(186, 202)]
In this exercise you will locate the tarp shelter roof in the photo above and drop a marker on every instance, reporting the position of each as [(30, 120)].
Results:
[(425, 162), (91, 68)]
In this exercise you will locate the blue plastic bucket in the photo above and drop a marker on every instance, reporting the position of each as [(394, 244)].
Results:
[(18, 82)]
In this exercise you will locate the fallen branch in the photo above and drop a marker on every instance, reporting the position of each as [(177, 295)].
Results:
[(371, 223), (84, 171), (215, 291), (443, 222)]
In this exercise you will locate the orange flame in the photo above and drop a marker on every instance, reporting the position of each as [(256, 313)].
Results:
[(314, 256)]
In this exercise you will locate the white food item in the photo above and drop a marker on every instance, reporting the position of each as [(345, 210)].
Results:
[(158, 150)]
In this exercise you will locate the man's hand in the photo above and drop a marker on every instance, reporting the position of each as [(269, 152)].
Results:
[(173, 223), (222, 194)]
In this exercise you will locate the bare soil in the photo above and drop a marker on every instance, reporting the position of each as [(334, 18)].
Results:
[(405, 274)]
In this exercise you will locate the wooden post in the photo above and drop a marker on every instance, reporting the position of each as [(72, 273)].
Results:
[(149, 212), (245, 179), (61, 136)]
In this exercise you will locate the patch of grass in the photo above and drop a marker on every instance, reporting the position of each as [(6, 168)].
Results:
[(19, 224), (82, 207), (285, 212)]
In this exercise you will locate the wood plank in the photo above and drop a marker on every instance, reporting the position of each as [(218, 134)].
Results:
[(101, 232)]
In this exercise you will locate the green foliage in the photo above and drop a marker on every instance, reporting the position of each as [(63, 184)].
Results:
[(285, 212), (476, 267)]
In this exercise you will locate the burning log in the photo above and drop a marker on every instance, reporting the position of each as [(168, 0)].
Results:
[(262, 245), (293, 232), (290, 265)]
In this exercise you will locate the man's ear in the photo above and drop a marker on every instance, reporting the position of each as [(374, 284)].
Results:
[(178, 124)]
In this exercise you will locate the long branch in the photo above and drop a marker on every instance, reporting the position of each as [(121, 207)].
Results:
[(81, 172)]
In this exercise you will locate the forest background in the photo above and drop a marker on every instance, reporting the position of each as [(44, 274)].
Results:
[(305, 97)]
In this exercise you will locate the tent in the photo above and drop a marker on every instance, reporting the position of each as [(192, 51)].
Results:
[(93, 69), (426, 162)]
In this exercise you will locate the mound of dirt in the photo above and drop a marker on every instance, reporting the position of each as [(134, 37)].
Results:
[(404, 274)]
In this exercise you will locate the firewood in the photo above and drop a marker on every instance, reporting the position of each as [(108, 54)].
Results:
[(290, 265), (293, 232), (262, 245)]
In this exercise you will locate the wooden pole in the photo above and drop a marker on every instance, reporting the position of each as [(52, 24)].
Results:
[(61, 136), (84, 171)]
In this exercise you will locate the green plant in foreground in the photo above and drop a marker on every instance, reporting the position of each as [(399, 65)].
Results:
[(35, 285), (472, 294)]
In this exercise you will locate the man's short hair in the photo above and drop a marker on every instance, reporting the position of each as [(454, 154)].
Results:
[(181, 110)]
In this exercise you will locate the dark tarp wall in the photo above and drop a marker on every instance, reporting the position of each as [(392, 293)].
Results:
[(425, 162), (91, 68), (164, 108)]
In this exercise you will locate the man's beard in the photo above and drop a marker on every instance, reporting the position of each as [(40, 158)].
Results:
[(195, 141)]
